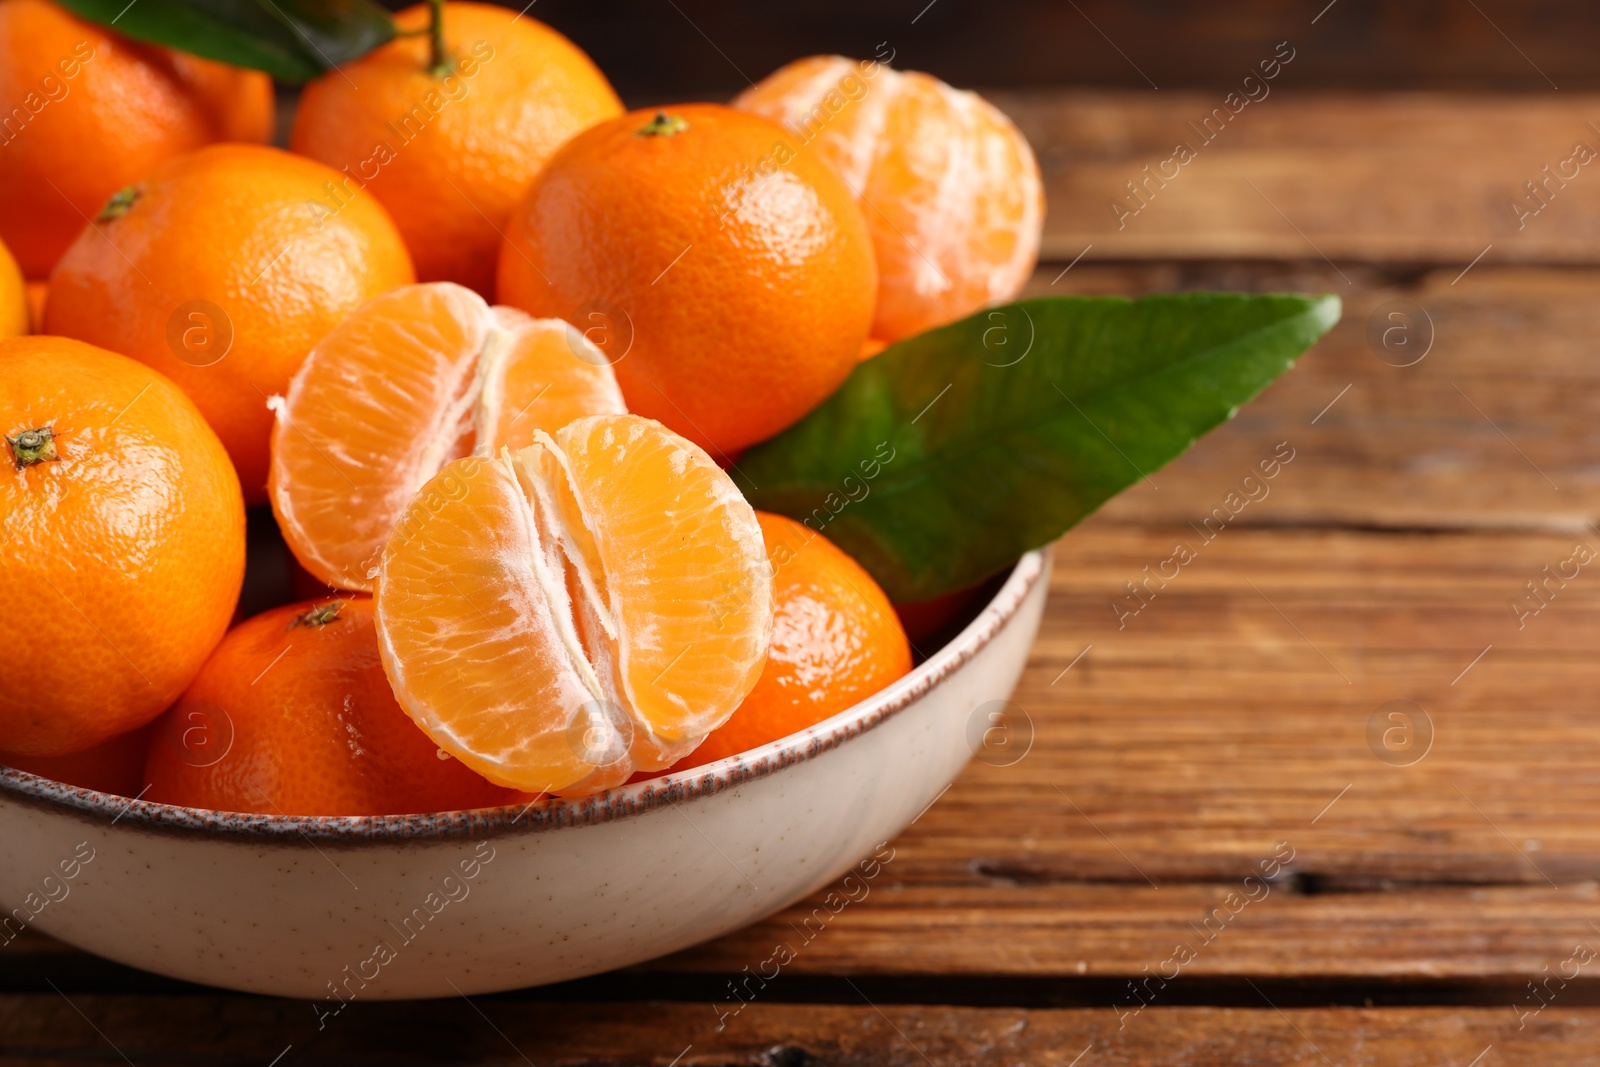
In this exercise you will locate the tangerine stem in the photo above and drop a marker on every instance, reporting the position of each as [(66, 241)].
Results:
[(439, 63), (33, 446), (663, 125)]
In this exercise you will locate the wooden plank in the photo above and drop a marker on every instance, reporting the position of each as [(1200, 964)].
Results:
[(1491, 429), (45, 1030), (1418, 178)]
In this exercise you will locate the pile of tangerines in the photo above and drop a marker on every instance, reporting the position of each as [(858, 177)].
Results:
[(489, 348)]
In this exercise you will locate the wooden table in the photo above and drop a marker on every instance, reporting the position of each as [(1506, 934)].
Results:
[(1099, 900)]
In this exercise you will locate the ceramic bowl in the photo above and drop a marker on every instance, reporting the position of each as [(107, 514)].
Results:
[(480, 901)]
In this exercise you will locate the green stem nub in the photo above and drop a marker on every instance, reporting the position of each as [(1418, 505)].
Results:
[(33, 446), (319, 616), (439, 62), (663, 125), (118, 205)]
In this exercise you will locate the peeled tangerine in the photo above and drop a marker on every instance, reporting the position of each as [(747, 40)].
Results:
[(409, 381), (948, 185), (592, 605)]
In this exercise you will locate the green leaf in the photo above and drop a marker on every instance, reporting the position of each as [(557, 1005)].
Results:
[(944, 458), (293, 40)]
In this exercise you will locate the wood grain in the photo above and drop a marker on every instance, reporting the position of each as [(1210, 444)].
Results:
[(1416, 178), (47, 1031)]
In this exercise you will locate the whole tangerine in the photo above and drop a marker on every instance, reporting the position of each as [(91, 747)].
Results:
[(115, 766), (124, 544), (221, 269), (91, 110), (727, 276), (951, 189), (292, 715), (450, 148), (16, 300), (835, 642)]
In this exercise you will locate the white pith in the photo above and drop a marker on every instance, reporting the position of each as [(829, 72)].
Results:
[(544, 519)]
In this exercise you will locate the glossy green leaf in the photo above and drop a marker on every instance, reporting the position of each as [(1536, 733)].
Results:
[(944, 458), (293, 40)]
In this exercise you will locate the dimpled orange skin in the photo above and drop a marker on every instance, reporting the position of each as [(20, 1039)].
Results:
[(835, 642), (101, 110), (315, 730), (747, 283), (122, 557), (261, 234), (458, 151)]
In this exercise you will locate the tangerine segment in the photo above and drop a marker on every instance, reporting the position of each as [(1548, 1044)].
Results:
[(547, 375), (685, 570), (592, 605), (412, 379)]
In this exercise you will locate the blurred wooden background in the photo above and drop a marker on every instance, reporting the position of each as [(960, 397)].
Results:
[(658, 50)]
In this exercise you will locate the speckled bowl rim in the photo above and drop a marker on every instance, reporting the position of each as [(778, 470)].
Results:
[(553, 813)]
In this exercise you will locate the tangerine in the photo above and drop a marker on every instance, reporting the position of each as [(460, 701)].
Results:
[(835, 642), (16, 298), (734, 273), (949, 186), (592, 605), (115, 766), (91, 111), (221, 269), (449, 148), (292, 715), (37, 293), (124, 541), (412, 379)]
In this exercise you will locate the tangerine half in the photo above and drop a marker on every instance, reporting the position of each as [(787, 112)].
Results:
[(412, 379), (595, 604)]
